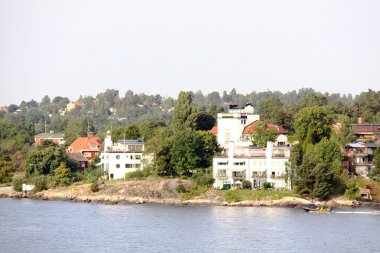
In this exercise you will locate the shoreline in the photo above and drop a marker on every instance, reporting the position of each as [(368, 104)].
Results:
[(68, 194)]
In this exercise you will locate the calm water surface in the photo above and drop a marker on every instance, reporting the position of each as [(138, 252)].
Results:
[(54, 226)]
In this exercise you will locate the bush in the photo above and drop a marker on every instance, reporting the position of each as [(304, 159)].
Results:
[(181, 188), (138, 174), (94, 186), (17, 184), (6, 172), (247, 184), (267, 185), (203, 179), (39, 184), (351, 189), (232, 196)]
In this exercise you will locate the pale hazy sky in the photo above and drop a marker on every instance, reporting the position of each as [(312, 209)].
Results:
[(73, 47)]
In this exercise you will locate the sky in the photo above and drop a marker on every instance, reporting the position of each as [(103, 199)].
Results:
[(83, 47)]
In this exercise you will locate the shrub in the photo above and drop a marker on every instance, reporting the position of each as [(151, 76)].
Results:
[(39, 184), (181, 188), (267, 185), (203, 179), (62, 172), (232, 196), (351, 189), (247, 184), (17, 184), (138, 174), (94, 186), (6, 172)]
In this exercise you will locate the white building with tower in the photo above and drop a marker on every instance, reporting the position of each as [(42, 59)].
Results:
[(121, 157), (240, 159)]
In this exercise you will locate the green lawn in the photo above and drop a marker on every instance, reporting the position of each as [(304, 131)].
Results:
[(240, 195)]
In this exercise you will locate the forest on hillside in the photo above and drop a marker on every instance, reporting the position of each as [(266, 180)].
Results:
[(110, 110)]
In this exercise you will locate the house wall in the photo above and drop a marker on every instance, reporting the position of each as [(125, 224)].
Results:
[(257, 169), (119, 163)]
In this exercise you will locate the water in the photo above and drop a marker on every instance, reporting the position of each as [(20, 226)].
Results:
[(54, 226)]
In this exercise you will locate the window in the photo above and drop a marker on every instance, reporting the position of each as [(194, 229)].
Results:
[(132, 166), (135, 148), (243, 121), (117, 165), (221, 173), (222, 163), (87, 154), (239, 164), (111, 176), (135, 157), (117, 157)]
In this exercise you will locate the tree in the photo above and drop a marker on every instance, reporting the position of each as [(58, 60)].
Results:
[(272, 110), (62, 171), (312, 124), (45, 161), (342, 135), (6, 172), (263, 134), (148, 127), (200, 121), (160, 145), (375, 171), (182, 110), (78, 127), (185, 154)]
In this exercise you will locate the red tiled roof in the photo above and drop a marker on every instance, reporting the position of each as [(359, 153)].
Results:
[(85, 143), (249, 129), (214, 130)]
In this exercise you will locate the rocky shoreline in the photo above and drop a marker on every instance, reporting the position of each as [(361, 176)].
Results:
[(162, 192)]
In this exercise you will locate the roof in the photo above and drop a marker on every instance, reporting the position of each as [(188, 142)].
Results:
[(365, 124), (130, 142), (85, 143), (249, 129), (356, 145), (50, 135), (77, 157), (214, 130)]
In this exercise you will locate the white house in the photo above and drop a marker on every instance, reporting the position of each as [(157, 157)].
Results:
[(252, 164), (231, 124), (122, 157)]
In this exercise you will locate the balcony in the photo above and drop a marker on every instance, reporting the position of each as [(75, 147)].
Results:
[(259, 176), (238, 175)]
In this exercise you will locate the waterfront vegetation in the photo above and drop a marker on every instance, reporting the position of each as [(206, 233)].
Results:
[(256, 195), (177, 133)]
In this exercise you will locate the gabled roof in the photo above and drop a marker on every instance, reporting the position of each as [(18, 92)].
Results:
[(214, 130), (249, 129), (85, 143)]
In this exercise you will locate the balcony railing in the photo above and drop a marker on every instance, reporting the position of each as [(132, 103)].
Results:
[(259, 176), (238, 175)]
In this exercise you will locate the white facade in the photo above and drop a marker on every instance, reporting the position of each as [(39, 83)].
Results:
[(231, 124), (252, 164), (123, 157)]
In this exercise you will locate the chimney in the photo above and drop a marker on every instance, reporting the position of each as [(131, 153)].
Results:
[(361, 121), (90, 134)]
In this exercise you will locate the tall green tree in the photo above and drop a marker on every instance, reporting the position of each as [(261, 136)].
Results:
[(201, 121), (182, 110), (312, 124)]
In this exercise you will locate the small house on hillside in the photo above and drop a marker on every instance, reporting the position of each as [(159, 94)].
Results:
[(57, 138)]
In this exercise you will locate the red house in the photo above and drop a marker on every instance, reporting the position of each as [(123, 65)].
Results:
[(88, 147), (57, 138)]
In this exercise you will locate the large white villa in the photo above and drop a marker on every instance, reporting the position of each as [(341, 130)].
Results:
[(121, 157), (240, 160)]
